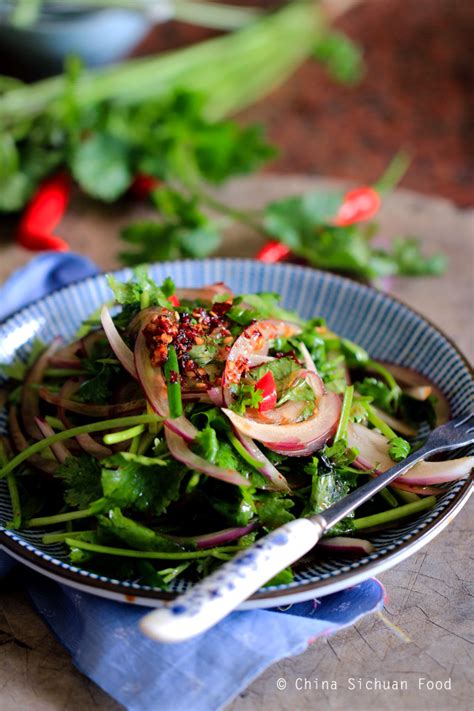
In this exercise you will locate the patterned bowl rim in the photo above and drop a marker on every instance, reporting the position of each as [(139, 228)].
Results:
[(82, 579)]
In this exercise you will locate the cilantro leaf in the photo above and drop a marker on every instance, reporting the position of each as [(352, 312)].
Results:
[(293, 220), (101, 164), (131, 293), (247, 397), (81, 477), (398, 449), (300, 391), (273, 510), (144, 487), (280, 368), (207, 444), (410, 261), (380, 394), (262, 306)]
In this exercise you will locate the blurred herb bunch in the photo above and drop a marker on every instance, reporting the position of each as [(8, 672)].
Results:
[(165, 118)]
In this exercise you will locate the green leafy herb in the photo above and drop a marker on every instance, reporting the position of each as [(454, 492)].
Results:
[(247, 397), (398, 449), (81, 476), (273, 510), (131, 292)]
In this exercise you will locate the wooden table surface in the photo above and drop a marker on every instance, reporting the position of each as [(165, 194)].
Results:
[(426, 635)]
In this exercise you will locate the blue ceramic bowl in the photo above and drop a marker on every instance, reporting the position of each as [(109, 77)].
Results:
[(97, 36), (389, 330)]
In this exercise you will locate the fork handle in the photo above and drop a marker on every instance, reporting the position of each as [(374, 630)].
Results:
[(210, 600)]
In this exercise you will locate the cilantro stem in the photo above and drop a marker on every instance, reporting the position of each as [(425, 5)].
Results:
[(171, 373), (115, 437), (73, 432), (60, 537), (377, 422), (390, 499), (407, 496), (243, 452), (386, 375), (393, 514), (145, 442), (55, 423), (126, 552), (68, 516), (12, 490), (394, 172), (345, 412)]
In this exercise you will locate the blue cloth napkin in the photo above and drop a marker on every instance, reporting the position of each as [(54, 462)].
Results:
[(204, 673)]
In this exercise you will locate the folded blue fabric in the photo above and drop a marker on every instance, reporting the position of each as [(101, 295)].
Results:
[(102, 636)]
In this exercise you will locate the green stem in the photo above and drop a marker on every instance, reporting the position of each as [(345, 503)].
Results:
[(145, 442), (171, 373), (61, 537), (68, 516), (345, 412), (375, 420), (73, 432), (123, 435), (243, 452), (55, 423), (386, 375), (395, 171), (393, 514), (127, 553), (406, 496), (389, 498), (12, 490)]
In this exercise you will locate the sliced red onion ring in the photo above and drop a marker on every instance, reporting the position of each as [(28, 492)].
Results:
[(85, 441), (91, 410), (180, 451), (298, 439), (421, 490), (154, 386), (346, 545), (60, 451), (29, 394), (215, 395), (308, 361), (205, 293), (255, 360), (46, 466), (373, 454), (291, 411), (254, 341), (70, 363), (217, 538), (269, 471), (119, 347)]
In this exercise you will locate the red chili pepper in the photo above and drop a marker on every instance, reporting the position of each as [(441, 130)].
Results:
[(143, 185), (273, 252), (173, 299), (269, 392), (359, 205), (42, 215)]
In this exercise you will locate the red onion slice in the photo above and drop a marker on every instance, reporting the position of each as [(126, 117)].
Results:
[(180, 451), (60, 451), (308, 361), (30, 395), (373, 454), (217, 538), (91, 410), (154, 386), (119, 347), (268, 470), (85, 441), (216, 396), (346, 545), (46, 466), (254, 341), (298, 439)]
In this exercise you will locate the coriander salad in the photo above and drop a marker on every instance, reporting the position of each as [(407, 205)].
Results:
[(180, 425)]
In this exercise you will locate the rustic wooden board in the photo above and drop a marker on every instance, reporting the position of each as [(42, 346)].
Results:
[(429, 597)]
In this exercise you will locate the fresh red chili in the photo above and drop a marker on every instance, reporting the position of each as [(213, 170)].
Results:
[(143, 185), (269, 392), (273, 252), (358, 205), (42, 215), (173, 299)]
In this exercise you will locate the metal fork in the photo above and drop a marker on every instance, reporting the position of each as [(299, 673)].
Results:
[(207, 602)]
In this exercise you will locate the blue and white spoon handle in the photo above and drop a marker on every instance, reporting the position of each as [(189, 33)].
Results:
[(210, 600)]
